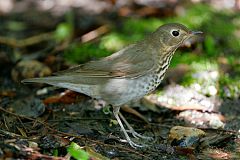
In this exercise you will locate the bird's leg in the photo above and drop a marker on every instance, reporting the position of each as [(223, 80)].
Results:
[(116, 114), (132, 131)]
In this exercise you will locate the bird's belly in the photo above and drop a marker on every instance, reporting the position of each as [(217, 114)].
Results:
[(120, 91)]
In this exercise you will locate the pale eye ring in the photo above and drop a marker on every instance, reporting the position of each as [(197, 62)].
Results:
[(175, 33)]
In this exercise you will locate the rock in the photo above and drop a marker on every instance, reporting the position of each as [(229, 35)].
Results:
[(185, 137), (203, 119), (29, 69), (178, 97), (29, 107), (53, 141)]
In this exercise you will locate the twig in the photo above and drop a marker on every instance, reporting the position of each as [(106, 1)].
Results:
[(84, 38), (9, 134), (72, 135), (26, 42), (95, 33)]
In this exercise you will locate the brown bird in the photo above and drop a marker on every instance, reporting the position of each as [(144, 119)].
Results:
[(128, 74)]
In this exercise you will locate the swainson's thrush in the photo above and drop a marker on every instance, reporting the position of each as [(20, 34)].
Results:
[(128, 74)]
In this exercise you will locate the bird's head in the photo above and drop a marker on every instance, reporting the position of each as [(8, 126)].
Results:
[(173, 34)]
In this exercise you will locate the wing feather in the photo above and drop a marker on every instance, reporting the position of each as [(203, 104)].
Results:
[(130, 62)]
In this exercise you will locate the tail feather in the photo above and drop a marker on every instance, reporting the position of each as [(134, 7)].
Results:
[(72, 83), (75, 79), (48, 80)]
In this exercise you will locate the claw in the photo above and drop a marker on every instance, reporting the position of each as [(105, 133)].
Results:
[(132, 131), (134, 145), (136, 135)]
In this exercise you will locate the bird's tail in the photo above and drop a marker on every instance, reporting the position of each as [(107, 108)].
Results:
[(73, 83), (48, 80)]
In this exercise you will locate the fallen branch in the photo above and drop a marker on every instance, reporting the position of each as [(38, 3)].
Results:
[(26, 42), (95, 33)]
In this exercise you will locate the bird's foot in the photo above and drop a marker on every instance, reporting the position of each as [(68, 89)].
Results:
[(135, 145), (139, 136), (131, 130)]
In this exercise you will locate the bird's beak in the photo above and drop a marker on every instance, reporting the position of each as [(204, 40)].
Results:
[(192, 33)]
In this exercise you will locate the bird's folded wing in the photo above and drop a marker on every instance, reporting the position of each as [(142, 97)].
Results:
[(130, 62)]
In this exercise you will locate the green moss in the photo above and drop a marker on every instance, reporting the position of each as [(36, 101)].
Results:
[(223, 25), (204, 65), (113, 41), (210, 46), (188, 79), (84, 52), (63, 31), (221, 34), (229, 87), (203, 73), (229, 83), (194, 16), (186, 58), (141, 26)]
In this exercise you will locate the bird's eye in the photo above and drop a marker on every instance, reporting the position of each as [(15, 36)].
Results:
[(175, 33)]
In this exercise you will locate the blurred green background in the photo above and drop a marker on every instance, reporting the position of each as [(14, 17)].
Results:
[(220, 47), (88, 30)]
